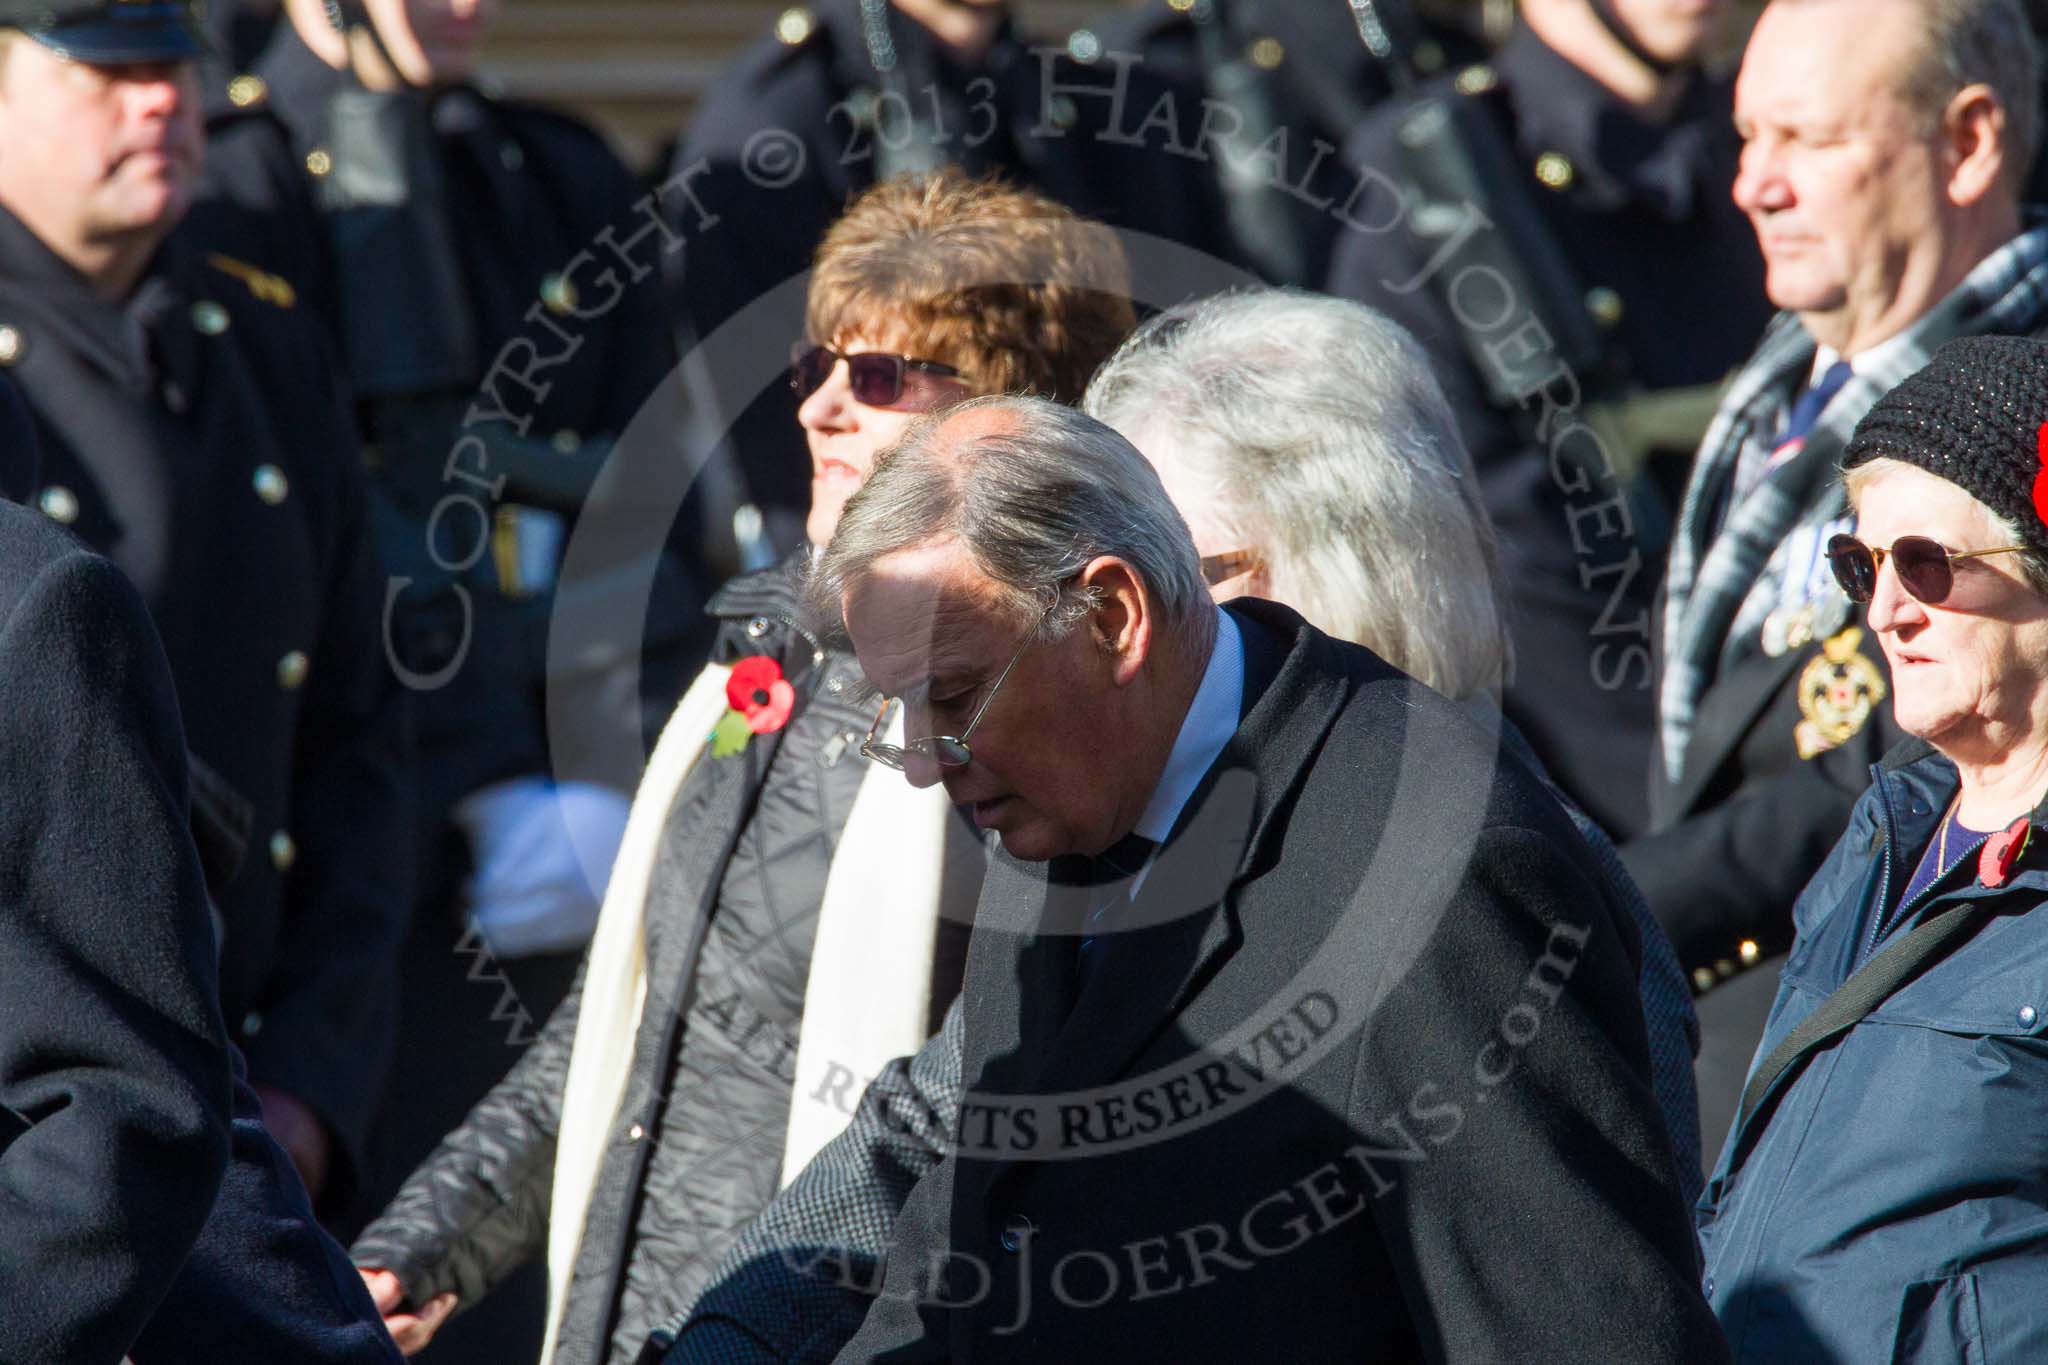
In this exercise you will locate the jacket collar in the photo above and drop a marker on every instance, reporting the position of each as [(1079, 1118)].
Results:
[(776, 590), (1914, 784), (114, 336)]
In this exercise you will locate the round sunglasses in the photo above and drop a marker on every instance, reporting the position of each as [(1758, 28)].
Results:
[(875, 377), (1926, 568)]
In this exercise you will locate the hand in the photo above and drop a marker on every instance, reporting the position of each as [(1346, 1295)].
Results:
[(301, 1133), (412, 1331)]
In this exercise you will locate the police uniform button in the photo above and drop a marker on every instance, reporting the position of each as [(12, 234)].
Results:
[(270, 484), (252, 1024), (59, 504), (757, 627), (174, 396), (1016, 1232), (795, 25), (558, 294), (1603, 305), (1702, 980), (567, 442), (13, 345), (284, 851), (291, 670), (635, 1133), (318, 162), (1707, 1286), (512, 156), (1065, 113), (1477, 79), (2027, 1016), (209, 319), (1555, 169), (1083, 45), (1266, 53), (245, 90)]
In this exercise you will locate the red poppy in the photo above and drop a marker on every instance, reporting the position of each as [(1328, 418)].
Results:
[(2041, 476), (759, 692), (2001, 851)]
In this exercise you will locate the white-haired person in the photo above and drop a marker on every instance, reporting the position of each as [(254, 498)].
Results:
[(1317, 462), (1883, 1194)]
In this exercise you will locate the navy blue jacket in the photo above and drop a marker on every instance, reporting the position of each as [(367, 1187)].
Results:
[(113, 1058), (108, 1169), (193, 434), (1891, 1203)]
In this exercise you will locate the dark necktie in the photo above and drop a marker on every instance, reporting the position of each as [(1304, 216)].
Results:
[(1807, 408), (1752, 467), (1113, 873)]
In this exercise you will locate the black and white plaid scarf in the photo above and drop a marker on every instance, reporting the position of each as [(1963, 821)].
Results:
[(1722, 582)]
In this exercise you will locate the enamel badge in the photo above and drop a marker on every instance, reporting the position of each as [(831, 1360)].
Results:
[(1837, 692)]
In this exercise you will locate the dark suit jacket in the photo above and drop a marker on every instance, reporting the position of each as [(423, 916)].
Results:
[(194, 434), (1369, 1057), (1733, 841), (262, 1282), (113, 1059)]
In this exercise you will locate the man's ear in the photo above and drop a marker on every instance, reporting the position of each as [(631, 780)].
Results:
[(1973, 130), (1123, 620)]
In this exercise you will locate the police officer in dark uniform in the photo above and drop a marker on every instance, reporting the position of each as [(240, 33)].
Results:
[(192, 430), (1284, 81), (493, 288), (848, 92), (1563, 244)]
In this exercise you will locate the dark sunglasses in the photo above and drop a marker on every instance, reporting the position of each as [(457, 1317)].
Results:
[(875, 377), (1926, 568)]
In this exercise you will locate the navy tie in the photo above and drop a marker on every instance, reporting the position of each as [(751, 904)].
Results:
[(1113, 869), (1807, 408)]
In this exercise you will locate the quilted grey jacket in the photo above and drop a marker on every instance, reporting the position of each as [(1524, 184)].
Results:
[(698, 1139)]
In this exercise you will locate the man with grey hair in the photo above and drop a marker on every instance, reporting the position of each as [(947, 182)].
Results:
[(1275, 939), (1885, 144)]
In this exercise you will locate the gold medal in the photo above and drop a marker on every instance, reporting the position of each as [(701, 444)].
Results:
[(1838, 690)]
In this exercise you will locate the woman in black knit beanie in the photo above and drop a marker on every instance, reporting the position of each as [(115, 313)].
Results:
[(1884, 1195)]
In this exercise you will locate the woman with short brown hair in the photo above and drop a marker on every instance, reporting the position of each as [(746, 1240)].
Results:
[(777, 925)]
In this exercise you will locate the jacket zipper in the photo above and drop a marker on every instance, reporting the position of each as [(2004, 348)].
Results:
[(1887, 918), (817, 649)]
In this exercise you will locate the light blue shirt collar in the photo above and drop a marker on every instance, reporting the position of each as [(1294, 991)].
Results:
[(1211, 720)]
